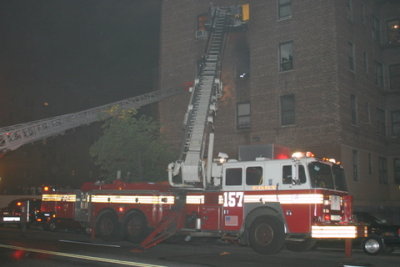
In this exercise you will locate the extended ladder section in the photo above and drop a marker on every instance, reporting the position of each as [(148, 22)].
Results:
[(199, 117), (12, 137)]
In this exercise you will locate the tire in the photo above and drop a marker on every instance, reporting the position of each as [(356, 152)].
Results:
[(107, 227), (373, 245), (301, 246), (135, 227), (267, 235)]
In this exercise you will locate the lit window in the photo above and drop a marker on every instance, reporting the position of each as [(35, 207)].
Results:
[(286, 56), (287, 110), (285, 9), (394, 76), (393, 32), (396, 123), (243, 116)]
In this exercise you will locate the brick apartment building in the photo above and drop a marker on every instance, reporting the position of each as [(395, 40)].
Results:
[(321, 76)]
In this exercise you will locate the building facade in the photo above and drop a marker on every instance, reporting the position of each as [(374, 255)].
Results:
[(320, 76)]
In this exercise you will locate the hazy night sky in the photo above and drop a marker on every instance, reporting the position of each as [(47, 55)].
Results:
[(73, 55)]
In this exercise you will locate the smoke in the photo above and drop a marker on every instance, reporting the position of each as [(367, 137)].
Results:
[(228, 92)]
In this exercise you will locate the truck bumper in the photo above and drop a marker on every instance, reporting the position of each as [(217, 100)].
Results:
[(338, 231)]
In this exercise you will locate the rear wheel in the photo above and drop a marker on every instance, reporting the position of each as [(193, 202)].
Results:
[(135, 227), (373, 245), (107, 227), (266, 235)]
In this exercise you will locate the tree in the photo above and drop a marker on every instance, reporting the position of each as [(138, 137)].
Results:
[(133, 146)]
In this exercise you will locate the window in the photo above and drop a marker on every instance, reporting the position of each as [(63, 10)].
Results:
[(380, 122), (395, 119), (393, 32), (287, 174), (349, 10), (350, 52), (254, 176), (394, 77), (367, 113), (287, 110), (355, 165), (202, 32), (284, 9), (378, 74), (369, 163), (383, 175), (396, 171), (286, 56), (354, 116), (243, 115), (376, 25), (365, 62), (363, 13), (233, 176)]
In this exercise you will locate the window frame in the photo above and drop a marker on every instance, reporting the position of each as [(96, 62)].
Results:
[(396, 171), (354, 109), (395, 131), (382, 170), (288, 65), (286, 110), (376, 28), (394, 77), (351, 56), (379, 79), (284, 4), (381, 121), (355, 161), (393, 31), (240, 116)]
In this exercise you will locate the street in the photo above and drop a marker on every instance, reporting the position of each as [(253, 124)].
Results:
[(40, 248)]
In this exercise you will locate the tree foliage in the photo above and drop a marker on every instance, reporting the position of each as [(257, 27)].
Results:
[(132, 145)]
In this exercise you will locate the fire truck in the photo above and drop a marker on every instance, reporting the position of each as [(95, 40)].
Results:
[(265, 203)]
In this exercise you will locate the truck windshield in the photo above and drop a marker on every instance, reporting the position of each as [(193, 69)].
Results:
[(327, 176), (321, 175), (339, 178)]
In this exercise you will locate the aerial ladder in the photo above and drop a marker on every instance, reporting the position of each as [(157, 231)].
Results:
[(191, 171), (15, 136)]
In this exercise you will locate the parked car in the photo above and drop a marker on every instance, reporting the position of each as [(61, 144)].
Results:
[(12, 213), (382, 237)]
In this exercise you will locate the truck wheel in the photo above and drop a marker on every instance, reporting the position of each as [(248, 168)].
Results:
[(301, 246), (266, 235), (107, 227), (135, 227), (373, 245)]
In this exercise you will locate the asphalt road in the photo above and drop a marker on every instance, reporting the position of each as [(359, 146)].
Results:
[(40, 248)]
